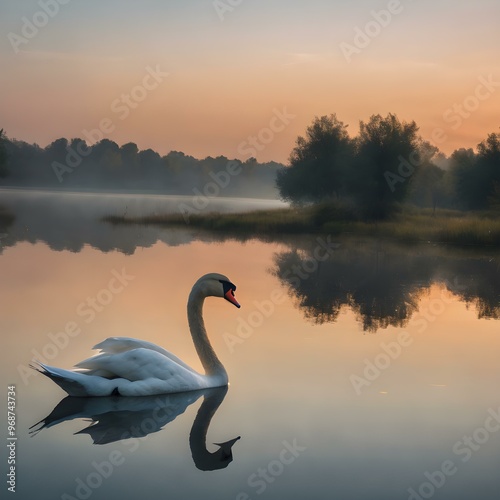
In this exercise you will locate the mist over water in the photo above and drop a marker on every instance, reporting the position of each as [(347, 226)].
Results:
[(70, 220)]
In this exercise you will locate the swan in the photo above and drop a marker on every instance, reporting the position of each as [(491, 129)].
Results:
[(131, 367)]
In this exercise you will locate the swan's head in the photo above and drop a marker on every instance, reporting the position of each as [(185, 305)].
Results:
[(217, 285)]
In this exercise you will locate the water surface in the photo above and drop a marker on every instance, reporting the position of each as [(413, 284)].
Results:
[(357, 368)]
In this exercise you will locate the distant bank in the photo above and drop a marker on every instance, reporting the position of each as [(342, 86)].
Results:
[(410, 225)]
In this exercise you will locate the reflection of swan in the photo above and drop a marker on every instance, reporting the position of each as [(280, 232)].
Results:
[(203, 459), (115, 419), (130, 367)]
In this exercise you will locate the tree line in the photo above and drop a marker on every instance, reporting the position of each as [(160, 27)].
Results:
[(367, 176), (385, 165), (73, 164)]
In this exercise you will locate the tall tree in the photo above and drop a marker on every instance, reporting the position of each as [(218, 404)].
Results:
[(476, 176), (464, 183), (387, 150), (3, 155), (428, 184), (488, 164), (318, 163)]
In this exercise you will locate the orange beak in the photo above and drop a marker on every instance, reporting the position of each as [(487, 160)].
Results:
[(230, 296)]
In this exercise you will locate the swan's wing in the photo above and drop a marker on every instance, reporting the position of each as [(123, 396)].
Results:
[(116, 345), (138, 364)]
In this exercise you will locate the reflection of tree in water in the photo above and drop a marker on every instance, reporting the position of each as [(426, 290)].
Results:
[(6, 219), (476, 282), (383, 283)]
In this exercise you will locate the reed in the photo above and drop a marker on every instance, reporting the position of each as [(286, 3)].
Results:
[(409, 225)]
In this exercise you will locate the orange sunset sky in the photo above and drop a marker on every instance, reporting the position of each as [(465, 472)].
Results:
[(70, 66)]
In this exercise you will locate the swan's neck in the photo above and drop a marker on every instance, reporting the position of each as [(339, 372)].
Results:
[(209, 360)]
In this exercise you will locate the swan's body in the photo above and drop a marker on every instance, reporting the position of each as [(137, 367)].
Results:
[(131, 367)]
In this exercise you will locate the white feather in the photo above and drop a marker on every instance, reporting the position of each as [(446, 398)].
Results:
[(132, 367)]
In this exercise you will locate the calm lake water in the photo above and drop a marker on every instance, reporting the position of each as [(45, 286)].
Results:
[(358, 369)]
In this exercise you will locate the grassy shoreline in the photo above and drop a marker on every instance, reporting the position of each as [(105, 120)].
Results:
[(410, 225)]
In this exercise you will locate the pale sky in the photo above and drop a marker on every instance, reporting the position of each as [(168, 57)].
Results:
[(264, 70)]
